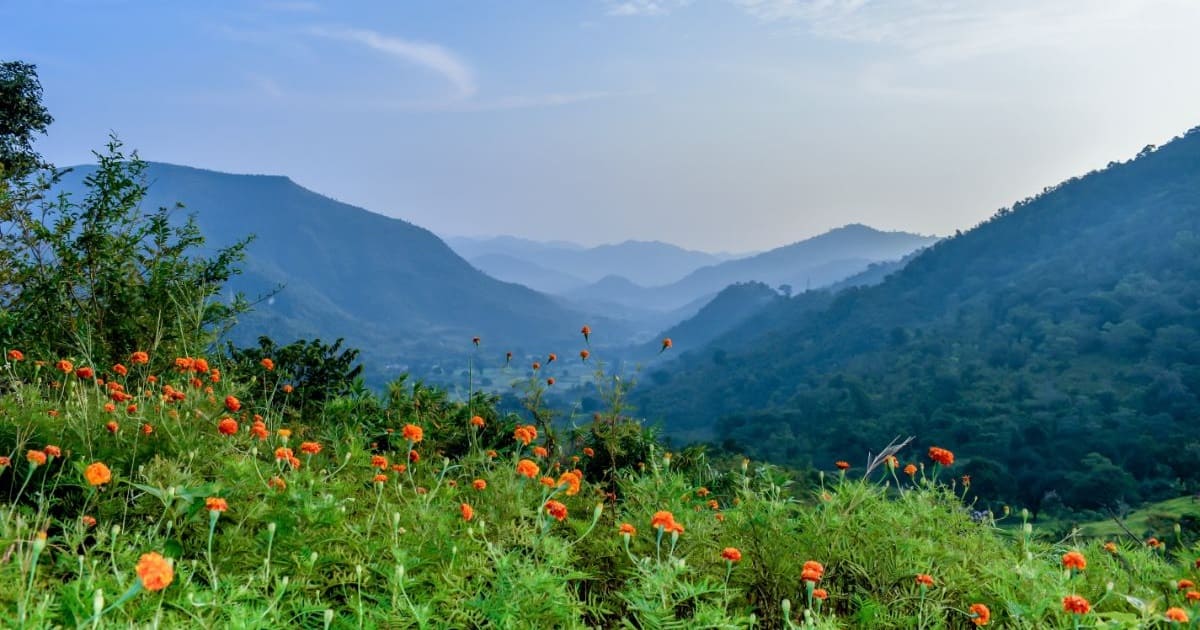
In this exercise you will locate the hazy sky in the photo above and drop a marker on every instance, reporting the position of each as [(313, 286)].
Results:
[(715, 124)]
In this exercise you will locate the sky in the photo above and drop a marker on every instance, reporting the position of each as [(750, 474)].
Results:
[(723, 125)]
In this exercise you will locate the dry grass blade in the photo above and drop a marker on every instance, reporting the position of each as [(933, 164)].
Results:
[(891, 449)]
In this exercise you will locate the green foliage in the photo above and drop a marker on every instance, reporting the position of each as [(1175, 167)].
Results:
[(303, 375), (97, 278), (22, 115)]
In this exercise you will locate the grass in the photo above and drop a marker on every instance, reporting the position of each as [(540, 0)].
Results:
[(355, 531)]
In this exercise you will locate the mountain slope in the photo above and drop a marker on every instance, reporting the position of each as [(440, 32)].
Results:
[(521, 271), (1065, 327), (386, 285)]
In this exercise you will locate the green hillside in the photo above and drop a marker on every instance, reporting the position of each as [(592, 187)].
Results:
[(1058, 344)]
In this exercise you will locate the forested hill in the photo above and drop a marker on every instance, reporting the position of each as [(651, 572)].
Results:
[(1057, 345)]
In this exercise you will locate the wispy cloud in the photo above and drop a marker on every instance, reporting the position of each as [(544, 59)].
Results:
[(940, 30), (643, 7), (429, 56)]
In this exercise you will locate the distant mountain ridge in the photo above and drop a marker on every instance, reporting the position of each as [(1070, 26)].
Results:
[(645, 263), (809, 264)]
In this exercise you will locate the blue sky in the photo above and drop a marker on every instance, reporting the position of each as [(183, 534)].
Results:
[(715, 124)]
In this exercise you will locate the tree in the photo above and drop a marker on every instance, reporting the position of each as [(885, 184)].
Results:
[(21, 116), (97, 278)]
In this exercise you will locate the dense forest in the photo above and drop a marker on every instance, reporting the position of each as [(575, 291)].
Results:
[(1057, 344)]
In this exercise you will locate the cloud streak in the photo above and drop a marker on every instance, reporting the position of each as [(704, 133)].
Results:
[(627, 8), (429, 56)]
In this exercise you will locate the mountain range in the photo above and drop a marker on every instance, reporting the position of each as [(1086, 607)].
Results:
[(389, 287)]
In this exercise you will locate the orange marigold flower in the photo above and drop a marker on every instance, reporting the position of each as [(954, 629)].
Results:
[(1153, 543), (111, 426), (557, 510), (584, 354), (941, 455), (120, 370), (259, 430), (812, 571), (820, 594), (1193, 596), (492, 454), (413, 433), (155, 571), (413, 457), (380, 478), (4, 461), (277, 483), (379, 461), (227, 426), (88, 521), (476, 421), (525, 434), (64, 366), (147, 429), (283, 453), (925, 580), (547, 481), (479, 484), (184, 364), (842, 465), (200, 365), (97, 474), (1076, 604), (980, 615), (53, 451), (267, 364), (540, 451), (1176, 615), (1110, 547), (232, 404), (720, 518), (109, 407), (468, 512), (131, 409), (139, 358), (214, 375), (310, 448), (661, 518), (627, 530), (731, 554), (587, 450), (1183, 585), (16, 355), (552, 358), (215, 504), (85, 373), (287, 389), (572, 481), (1074, 561), (284, 433), (910, 470), (527, 468), (891, 462)]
